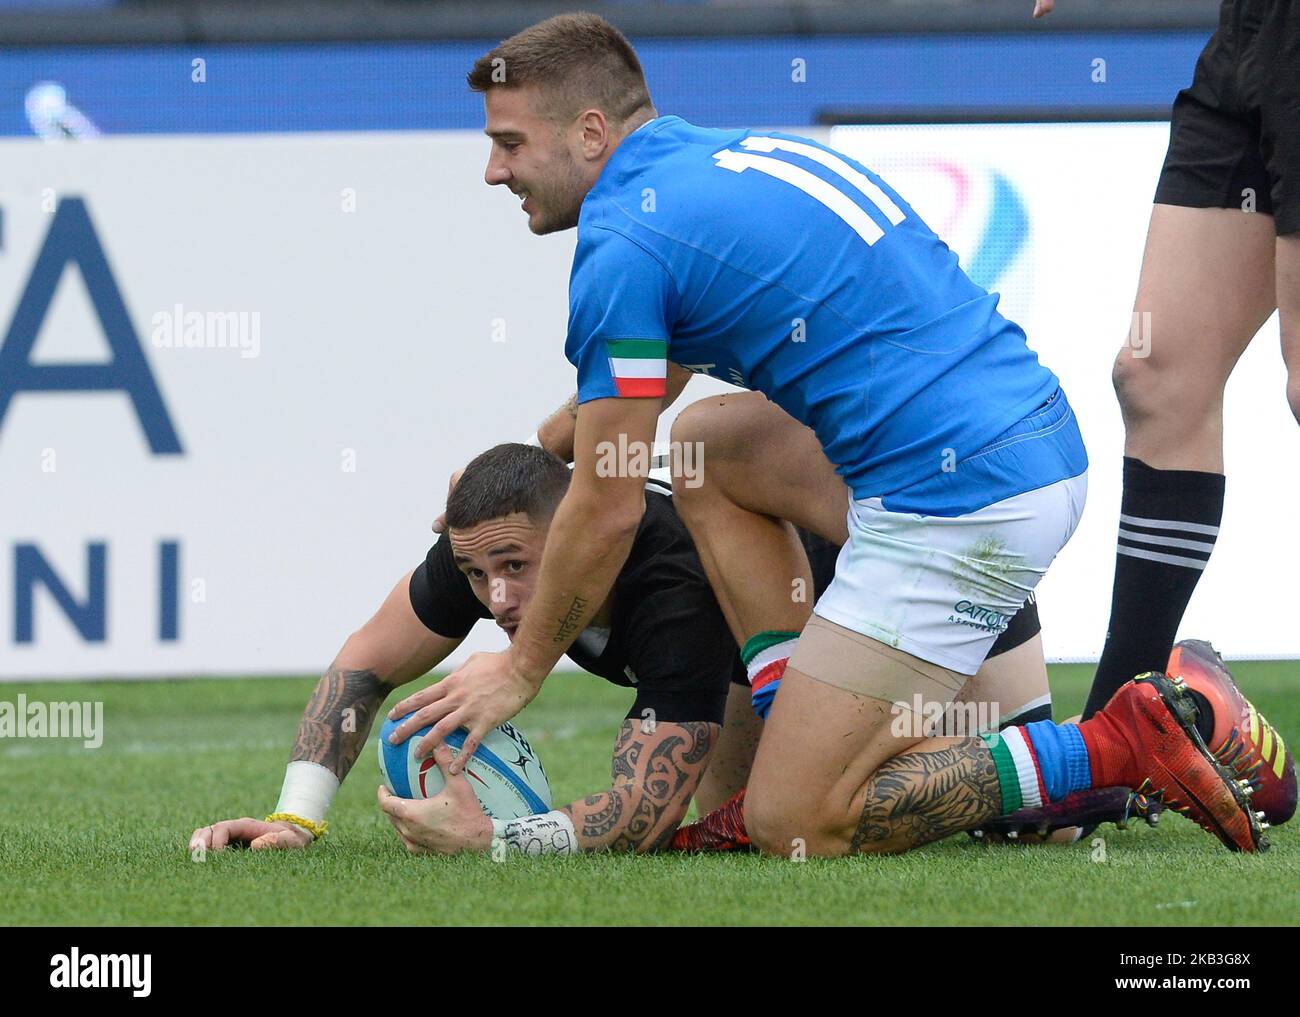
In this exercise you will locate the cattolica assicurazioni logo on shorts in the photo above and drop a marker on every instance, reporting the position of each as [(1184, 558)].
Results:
[(977, 616)]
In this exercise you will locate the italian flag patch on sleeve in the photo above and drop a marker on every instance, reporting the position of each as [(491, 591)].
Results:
[(639, 367)]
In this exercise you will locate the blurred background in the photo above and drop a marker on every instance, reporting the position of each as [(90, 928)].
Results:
[(257, 303)]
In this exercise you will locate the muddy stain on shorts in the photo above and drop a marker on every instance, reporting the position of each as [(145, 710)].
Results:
[(985, 567)]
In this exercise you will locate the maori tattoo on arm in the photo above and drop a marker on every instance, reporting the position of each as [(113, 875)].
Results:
[(655, 772), (571, 404), (337, 719), (919, 797)]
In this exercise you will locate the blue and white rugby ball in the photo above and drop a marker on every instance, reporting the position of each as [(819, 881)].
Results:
[(504, 772)]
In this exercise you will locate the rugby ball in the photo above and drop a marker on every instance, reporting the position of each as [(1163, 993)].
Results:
[(504, 772)]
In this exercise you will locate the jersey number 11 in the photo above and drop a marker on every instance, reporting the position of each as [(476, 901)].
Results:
[(758, 157)]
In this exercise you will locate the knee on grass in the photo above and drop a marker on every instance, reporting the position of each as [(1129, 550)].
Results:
[(780, 826)]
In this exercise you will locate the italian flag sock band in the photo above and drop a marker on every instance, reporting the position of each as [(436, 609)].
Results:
[(1008, 781), (765, 656), (1017, 769), (1080, 768), (1039, 763), (1062, 758), (1032, 792)]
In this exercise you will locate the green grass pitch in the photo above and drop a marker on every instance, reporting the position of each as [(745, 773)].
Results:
[(98, 837)]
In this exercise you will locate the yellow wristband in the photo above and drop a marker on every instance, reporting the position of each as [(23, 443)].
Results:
[(317, 830)]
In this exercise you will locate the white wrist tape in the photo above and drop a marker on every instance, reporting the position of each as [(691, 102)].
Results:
[(550, 833), (533, 440), (308, 790)]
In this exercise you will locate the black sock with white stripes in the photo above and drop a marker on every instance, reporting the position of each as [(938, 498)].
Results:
[(1168, 523)]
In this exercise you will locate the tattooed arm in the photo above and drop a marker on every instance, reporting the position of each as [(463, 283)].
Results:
[(556, 431), (337, 720), (655, 773), (392, 648)]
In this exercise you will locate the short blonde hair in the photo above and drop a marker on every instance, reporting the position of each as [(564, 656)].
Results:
[(580, 61)]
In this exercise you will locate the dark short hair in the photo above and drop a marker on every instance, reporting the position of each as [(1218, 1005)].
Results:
[(578, 60), (504, 479)]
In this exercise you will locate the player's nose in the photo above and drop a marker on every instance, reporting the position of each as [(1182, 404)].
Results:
[(505, 604), (496, 173)]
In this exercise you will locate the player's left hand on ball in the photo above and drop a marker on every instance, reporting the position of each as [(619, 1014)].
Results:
[(483, 692), (450, 822), (253, 833)]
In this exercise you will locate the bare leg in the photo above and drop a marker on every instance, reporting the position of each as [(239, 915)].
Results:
[(1007, 684), (733, 757), (761, 468), (1207, 285), (1288, 302), (864, 787)]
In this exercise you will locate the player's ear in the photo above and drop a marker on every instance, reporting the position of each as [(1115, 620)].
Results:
[(595, 133)]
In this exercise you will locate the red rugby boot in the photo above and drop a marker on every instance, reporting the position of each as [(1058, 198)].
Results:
[(1148, 741), (1243, 740)]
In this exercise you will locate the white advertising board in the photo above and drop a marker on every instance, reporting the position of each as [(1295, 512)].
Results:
[(236, 372)]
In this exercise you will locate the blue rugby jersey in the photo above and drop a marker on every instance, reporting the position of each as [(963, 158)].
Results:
[(779, 265)]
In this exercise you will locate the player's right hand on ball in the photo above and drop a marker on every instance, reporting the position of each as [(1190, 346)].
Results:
[(246, 832)]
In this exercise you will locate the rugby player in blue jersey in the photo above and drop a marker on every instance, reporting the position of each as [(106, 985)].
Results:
[(781, 266)]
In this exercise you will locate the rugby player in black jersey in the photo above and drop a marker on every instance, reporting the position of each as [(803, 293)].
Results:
[(689, 731)]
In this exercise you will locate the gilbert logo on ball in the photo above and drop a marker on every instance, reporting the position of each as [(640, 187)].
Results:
[(504, 772)]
